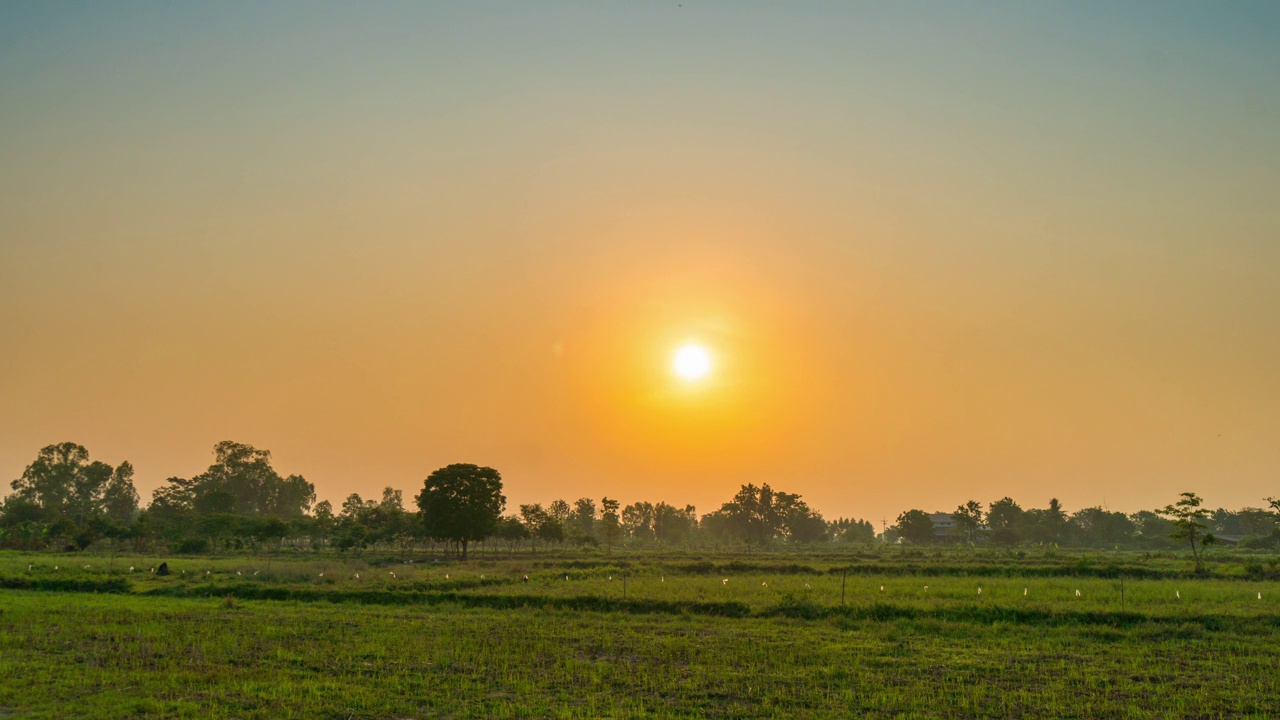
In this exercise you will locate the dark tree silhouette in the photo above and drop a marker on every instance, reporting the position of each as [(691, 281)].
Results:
[(462, 503), (610, 524), (969, 520), (915, 527)]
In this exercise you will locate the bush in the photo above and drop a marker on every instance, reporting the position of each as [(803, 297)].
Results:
[(192, 546)]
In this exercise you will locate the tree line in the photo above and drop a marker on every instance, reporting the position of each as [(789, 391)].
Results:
[(65, 501)]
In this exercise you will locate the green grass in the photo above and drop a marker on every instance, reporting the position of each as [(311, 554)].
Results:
[(105, 643)]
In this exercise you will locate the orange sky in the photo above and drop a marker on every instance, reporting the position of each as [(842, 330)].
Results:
[(938, 255)]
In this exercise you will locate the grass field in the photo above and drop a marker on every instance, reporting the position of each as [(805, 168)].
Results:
[(476, 640)]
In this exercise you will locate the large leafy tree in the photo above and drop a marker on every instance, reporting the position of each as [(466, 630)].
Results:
[(67, 486), (462, 503), (241, 481), (915, 527), (757, 515), (1005, 518), (119, 497)]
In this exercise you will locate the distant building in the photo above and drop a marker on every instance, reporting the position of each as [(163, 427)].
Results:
[(944, 524)]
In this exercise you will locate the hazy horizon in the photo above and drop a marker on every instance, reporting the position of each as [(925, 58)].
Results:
[(937, 253)]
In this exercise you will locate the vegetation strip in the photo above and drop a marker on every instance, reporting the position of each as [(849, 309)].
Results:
[(788, 608)]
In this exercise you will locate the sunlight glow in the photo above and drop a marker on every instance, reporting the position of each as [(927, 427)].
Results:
[(692, 361)]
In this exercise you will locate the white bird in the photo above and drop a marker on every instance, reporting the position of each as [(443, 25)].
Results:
[(446, 576), (664, 578), (55, 567), (206, 572), (1024, 592), (979, 591), (255, 572), (764, 584), (1077, 593), (526, 578), (1259, 596), (1177, 594), (31, 566), (566, 577), (240, 573), (86, 567), (482, 577), (153, 569), (724, 581), (392, 574), (357, 576), (130, 568), (881, 588), (610, 577), (321, 574)]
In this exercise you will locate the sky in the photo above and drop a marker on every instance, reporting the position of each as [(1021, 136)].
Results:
[(936, 251)]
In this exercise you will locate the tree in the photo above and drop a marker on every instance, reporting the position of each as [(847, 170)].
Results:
[(1102, 528), (637, 520), (584, 517), (610, 526), (392, 499), (1005, 518), (352, 506), (1047, 525), (560, 510), (851, 530), (511, 531), (63, 481), (535, 519), (969, 520), (461, 503), (241, 481), (672, 524), (915, 527), (120, 498), (1188, 524)]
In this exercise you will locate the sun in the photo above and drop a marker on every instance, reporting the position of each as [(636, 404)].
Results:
[(691, 361)]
